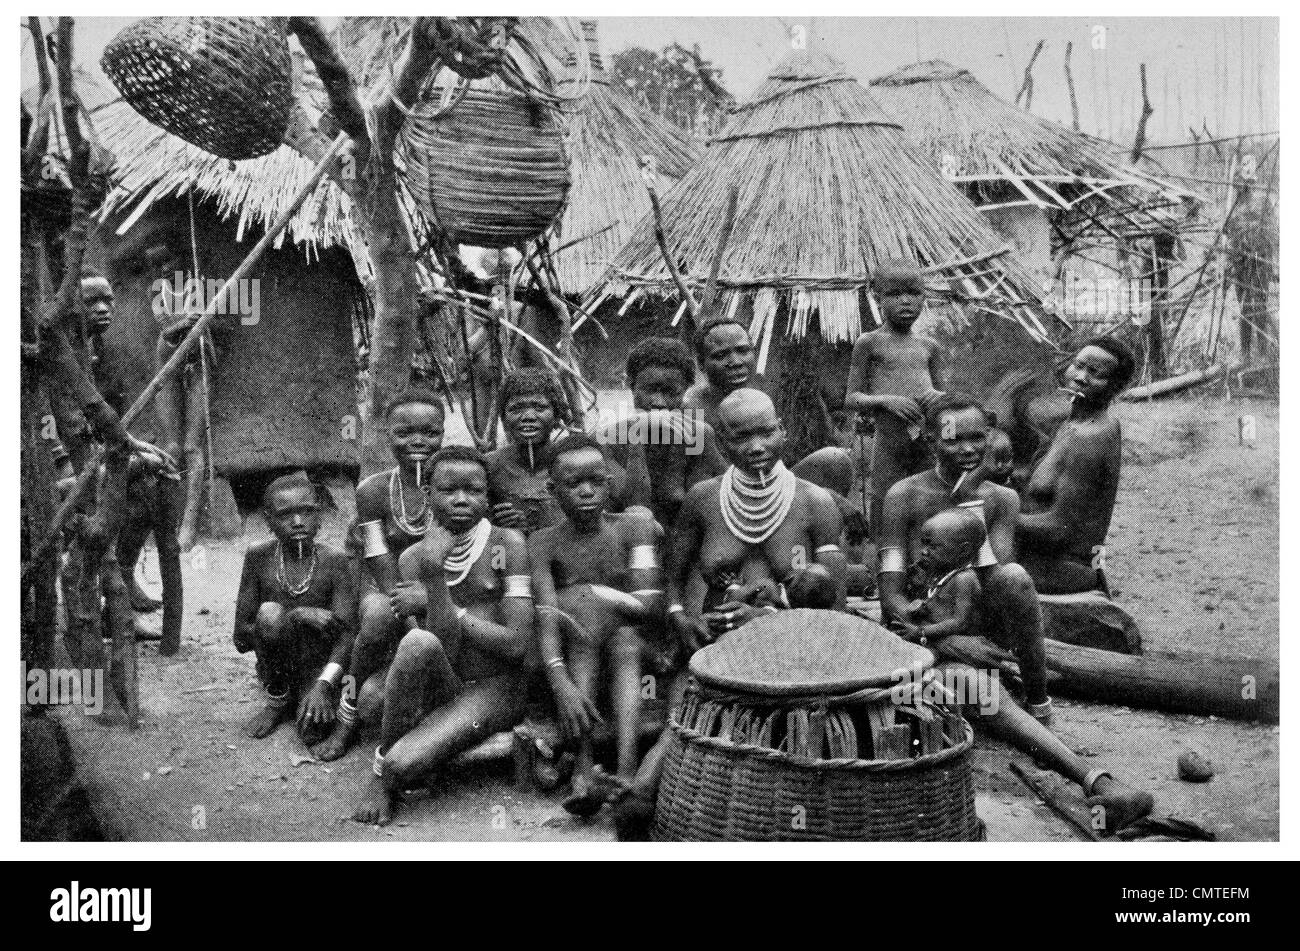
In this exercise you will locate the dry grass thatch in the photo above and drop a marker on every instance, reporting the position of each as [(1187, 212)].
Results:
[(828, 187), (999, 153), (606, 139)]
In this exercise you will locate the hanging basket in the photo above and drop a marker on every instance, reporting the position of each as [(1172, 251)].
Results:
[(796, 728), (492, 171), (220, 83)]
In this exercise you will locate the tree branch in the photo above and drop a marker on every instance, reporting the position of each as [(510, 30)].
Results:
[(1027, 87), (1140, 137), (1069, 84), (345, 105)]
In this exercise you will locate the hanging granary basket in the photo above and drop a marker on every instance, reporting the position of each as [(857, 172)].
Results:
[(221, 83), (492, 170)]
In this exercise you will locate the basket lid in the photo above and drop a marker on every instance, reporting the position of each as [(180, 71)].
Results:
[(807, 652)]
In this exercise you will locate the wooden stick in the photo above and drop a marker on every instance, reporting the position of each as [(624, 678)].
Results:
[(687, 297), (728, 222), (1140, 137), (1049, 799), (1069, 84), (189, 343)]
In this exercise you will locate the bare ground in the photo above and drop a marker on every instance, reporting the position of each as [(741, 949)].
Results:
[(1193, 554)]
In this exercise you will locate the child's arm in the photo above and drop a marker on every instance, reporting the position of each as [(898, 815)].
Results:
[(368, 534), (577, 713), (964, 592), (938, 376), (248, 601), (858, 398)]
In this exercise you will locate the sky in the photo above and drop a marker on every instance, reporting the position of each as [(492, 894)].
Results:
[(1223, 70)]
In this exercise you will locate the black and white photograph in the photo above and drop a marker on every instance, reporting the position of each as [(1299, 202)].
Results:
[(638, 428)]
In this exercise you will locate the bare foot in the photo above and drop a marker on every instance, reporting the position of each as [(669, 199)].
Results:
[(1122, 805), (376, 807), (586, 798), (264, 723), (141, 603), (632, 814), (337, 743)]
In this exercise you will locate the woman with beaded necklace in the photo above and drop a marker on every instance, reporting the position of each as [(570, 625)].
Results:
[(393, 514)]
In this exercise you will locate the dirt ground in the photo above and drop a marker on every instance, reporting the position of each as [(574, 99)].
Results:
[(1193, 555)]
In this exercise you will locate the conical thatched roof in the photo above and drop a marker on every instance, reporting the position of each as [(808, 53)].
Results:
[(828, 187), (998, 152), (606, 139)]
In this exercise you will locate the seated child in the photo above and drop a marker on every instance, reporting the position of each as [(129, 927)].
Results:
[(296, 609), (945, 571), (597, 584), (950, 540)]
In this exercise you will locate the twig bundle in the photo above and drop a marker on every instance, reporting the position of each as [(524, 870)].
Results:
[(221, 83)]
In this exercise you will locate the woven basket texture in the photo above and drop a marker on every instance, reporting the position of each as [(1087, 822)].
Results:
[(807, 652), (220, 83), (493, 171), (714, 789)]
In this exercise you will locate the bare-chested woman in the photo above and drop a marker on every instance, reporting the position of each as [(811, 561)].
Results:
[(462, 676), (1068, 500), (533, 407), (393, 513), (755, 521), (957, 429)]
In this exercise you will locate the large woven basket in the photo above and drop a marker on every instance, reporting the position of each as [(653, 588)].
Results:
[(807, 755), (493, 171), (220, 83)]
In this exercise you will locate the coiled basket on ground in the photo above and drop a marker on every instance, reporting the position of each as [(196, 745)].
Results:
[(815, 726)]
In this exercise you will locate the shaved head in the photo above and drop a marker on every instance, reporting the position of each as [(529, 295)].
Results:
[(960, 525), (746, 402), (903, 272)]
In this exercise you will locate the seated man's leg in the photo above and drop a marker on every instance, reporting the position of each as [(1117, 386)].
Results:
[(1004, 718), (582, 657), (377, 630), (634, 810), (415, 743), (1014, 619), (1060, 575), (130, 540), (274, 664), (624, 652)]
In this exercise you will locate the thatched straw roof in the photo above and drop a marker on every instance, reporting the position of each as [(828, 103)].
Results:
[(606, 139), (1001, 154), (153, 164), (828, 187)]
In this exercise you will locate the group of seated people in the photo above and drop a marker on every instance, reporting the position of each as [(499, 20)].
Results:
[(566, 565)]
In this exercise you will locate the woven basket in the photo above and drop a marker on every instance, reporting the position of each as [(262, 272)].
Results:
[(492, 172), (714, 789), (799, 728), (220, 83)]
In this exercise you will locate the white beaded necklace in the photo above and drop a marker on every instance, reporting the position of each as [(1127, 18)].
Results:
[(397, 504), (465, 551), (753, 509), (282, 576)]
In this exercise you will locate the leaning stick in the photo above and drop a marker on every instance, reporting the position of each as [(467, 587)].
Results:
[(189, 343), (728, 222), (647, 172), (1053, 803)]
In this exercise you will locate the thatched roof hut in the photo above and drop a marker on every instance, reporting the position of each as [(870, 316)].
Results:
[(607, 137), (1005, 157), (171, 199), (828, 187)]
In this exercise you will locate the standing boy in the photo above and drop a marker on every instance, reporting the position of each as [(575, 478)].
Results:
[(895, 376)]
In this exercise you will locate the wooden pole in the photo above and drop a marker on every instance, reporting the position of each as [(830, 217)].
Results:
[(1069, 84)]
